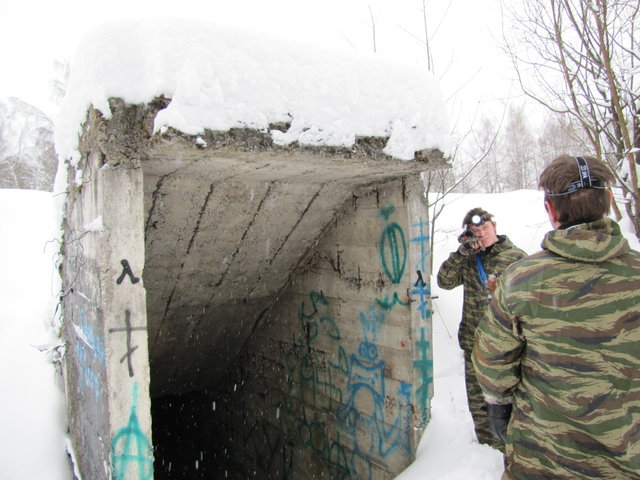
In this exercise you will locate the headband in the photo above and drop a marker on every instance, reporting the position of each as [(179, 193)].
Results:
[(585, 180)]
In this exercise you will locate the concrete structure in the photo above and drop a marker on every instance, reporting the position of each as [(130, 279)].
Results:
[(247, 310)]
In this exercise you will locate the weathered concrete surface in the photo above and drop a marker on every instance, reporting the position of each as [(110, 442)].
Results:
[(106, 361), (234, 229), (335, 382), (223, 233)]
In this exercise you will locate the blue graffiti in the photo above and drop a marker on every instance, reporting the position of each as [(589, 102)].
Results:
[(425, 366), (366, 388), (94, 341), (311, 325), (131, 451), (316, 321), (422, 239), (90, 355), (393, 252), (88, 378), (387, 304), (386, 212)]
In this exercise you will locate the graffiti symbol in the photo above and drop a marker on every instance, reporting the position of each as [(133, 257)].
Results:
[(126, 270), (424, 366), (131, 454), (423, 240), (130, 349), (424, 292), (393, 252)]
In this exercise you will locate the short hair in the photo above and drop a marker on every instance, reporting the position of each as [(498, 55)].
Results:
[(561, 181)]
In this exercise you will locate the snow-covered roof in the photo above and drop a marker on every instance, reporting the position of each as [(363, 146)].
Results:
[(219, 78)]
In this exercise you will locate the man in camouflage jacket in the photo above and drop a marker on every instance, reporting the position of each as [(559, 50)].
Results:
[(481, 257), (561, 340)]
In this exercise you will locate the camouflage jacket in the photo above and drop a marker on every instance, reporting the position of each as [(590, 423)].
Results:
[(562, 336), (463, 270)]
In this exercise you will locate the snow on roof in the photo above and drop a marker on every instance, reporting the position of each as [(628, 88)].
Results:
[(219, 78)]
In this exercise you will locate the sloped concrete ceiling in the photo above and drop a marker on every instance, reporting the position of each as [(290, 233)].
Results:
[(225, 227)]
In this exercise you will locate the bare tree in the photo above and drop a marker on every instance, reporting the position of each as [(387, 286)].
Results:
[(558, 135), (581, 58), (518, 148), (490, 176)]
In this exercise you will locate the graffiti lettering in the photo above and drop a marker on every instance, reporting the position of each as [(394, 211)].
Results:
[(126, 270)]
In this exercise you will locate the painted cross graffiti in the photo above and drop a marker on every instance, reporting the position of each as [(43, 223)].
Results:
[(424, 292), (130, 348), (131, 451), (422, 239), (424, 366)]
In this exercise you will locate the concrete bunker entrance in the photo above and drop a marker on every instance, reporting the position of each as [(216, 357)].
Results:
[(245, 311), (274, 281)]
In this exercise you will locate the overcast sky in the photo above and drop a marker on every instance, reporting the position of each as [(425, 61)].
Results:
[(465, 37)]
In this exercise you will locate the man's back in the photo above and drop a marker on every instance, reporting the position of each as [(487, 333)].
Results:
[(570, 318)]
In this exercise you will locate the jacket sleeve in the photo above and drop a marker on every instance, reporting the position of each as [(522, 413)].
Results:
[(450, 274), (497, 350)]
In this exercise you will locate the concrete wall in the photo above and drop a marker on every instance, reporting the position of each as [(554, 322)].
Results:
[(106, 362), (336, 381)]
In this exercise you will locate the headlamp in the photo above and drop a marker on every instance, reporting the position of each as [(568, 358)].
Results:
[(585, 180), (477, 220)]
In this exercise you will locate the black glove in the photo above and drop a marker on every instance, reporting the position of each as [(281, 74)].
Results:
[(499, 416), (468, 243)]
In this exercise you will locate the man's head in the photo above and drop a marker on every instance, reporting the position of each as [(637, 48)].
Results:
[(480, 223), (576, 189)]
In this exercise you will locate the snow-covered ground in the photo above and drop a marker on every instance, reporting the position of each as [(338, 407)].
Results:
[(32, 425), (32, 422)]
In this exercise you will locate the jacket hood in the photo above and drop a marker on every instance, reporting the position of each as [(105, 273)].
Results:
[(597, 241)]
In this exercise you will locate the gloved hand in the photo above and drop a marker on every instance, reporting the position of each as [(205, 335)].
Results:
[(499, 416), (468, 244)]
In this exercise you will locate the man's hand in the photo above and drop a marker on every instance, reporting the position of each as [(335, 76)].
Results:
[(468, 243), (499, 416)]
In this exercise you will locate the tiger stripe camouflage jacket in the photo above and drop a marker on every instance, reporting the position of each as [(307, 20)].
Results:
[(562, 337)]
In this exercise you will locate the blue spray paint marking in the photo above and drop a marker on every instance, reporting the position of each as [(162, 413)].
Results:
[(393, 248), (96, 342), (366, 388), (422, 240), (131, 452), (425, 367), (307, 320), (386, 212), (90, 355), (387, 304), (313, 324), (393, 252), (88, 377)]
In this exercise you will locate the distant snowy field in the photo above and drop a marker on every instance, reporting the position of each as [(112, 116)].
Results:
[(32, 425)]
